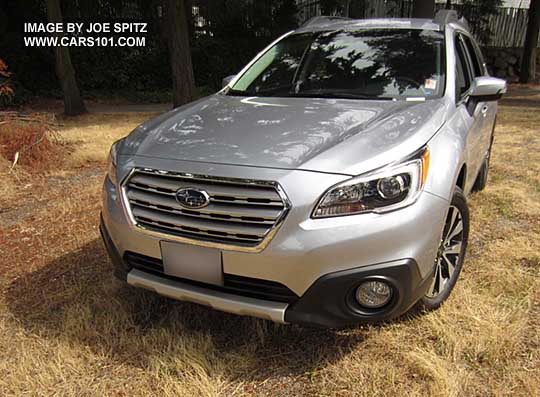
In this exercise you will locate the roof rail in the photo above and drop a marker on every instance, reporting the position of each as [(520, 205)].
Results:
[(464, 22), (322, 20), (444, 17)]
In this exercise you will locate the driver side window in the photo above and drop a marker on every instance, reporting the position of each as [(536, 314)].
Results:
[(463, 74)]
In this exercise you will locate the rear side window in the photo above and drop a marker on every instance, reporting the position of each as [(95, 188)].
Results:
[(476, 63), (463, 76)]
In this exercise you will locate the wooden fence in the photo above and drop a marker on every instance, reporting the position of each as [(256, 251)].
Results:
[(507, 28)]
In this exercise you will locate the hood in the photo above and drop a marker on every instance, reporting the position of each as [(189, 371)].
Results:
[(324, 135)]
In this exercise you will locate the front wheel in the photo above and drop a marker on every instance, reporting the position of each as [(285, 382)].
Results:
[(451, 253)]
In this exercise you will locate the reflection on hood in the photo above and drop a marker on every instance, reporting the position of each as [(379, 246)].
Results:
[(292, 133)]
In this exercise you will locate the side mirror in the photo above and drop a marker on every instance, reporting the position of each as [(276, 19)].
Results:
[(225, 82), (487, 88)]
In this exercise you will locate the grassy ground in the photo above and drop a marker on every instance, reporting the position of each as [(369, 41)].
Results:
[(67, 328)]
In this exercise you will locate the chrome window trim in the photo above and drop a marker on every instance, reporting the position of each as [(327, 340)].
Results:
[(209, 244)]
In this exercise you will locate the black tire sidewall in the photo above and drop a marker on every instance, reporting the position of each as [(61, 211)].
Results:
[(481, 179)]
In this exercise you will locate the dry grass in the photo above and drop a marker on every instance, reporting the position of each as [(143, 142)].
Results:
[(67, 328), (92, 135), (28, 146)]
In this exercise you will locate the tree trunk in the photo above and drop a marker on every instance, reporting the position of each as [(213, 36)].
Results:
[(528, 62), (423, 9), (73, 103), (346, 8), (179, 52), (448, 4), (357, 9)]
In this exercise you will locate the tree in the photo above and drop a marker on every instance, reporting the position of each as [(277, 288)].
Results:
[(423, 9), (6, 91), (528, 62), (335, 7), (5, 83), (179, 52), (284, 16), (345, 8), (478, 13), (357, 8), (73, 103)]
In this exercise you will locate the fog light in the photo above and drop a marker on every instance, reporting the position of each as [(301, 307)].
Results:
[(373, 294)]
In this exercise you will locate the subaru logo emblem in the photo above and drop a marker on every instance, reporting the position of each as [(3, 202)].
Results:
[(192, 198)]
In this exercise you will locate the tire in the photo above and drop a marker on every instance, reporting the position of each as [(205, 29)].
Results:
[(481, 180), (451, 253)]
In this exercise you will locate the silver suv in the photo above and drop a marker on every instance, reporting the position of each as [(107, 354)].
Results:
[(325, 184)]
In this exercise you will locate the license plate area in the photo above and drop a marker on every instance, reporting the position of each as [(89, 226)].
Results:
[(192, 262)]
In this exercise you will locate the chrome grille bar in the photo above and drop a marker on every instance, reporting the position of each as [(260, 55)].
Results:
[(237, 191), (242, 214), (262, 212)]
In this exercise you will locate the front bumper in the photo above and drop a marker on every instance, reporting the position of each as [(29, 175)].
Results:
[(330, 302), (320, 260), (176, 289), (327, 303)]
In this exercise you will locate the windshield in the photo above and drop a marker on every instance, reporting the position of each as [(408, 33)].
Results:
[(371, 63)]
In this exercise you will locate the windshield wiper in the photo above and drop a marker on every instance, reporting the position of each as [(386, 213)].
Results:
[(309, 94), (338, 94), (268, 93), (233, 92)]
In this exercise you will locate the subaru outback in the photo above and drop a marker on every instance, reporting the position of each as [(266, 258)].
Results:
[(326, 184)]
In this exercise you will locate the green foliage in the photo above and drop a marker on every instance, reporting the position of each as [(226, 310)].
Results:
[(244, 18), (332, 7), (214, 58), (232, 32), (284, 16), (477, 13), (6, 89), (235, 30)]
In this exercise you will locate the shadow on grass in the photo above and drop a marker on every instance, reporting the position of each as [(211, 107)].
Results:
[(75, 298)]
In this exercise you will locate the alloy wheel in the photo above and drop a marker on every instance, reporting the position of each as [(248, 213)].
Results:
[(449, 254)]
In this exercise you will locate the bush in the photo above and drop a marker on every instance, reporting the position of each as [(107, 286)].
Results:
[(28, 140), (6, 90)]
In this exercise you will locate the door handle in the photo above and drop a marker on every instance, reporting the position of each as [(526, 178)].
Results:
[(484, 110)]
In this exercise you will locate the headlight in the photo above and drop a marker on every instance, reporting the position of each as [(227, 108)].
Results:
[(111, 164), (386, 189)]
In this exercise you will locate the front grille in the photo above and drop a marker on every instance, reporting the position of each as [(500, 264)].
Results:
[(238, 285), (256, 288), (241, 212)]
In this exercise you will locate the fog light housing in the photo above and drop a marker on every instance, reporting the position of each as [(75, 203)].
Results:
[(374, 294)]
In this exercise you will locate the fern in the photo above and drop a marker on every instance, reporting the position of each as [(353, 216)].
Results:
[(6, 90)]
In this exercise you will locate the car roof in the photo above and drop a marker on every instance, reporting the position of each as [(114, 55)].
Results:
[(323, 23)]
